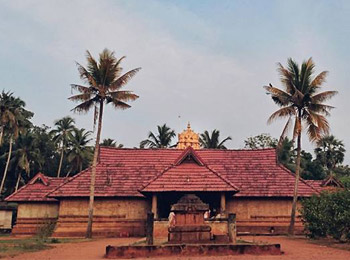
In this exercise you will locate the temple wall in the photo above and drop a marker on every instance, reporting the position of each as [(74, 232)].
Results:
[(263, 215), (122, 217), (37, 210), (32, 215)]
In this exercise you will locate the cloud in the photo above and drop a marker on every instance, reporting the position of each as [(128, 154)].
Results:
[(183, 77)]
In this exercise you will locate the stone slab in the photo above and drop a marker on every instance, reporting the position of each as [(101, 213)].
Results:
[(128, 252)]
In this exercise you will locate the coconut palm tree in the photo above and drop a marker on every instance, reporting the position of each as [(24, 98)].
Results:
[(17, 122), (24, 155), (79, 153), (104, 81), (212, 140), (111, 143), (61, 136), (160, 140), (302, 102)]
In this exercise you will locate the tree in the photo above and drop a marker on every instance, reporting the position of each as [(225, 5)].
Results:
[(160, 140), (111, 143), (212, 140), (310, 169), (104, 81), (25, 154), (79, 153), (14, 121), (61, 136), (329, 152), (43, 141), (301, 100), (260, 141)]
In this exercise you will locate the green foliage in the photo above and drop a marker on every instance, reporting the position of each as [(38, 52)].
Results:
[(162, 139), (109, 142), (311, 169), (260, 141), (212, 141), (327, 215), (330, 152)]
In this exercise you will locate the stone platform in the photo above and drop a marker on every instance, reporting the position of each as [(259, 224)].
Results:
[(134, 251)]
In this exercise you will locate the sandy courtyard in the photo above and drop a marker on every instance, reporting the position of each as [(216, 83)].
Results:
[(296, 249)]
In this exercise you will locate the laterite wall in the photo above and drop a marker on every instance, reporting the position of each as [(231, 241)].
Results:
[(120, 217), (262, 215), (31, 215)]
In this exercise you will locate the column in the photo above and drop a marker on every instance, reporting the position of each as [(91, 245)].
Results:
[(154, 206), (232, 228), (223, 205)]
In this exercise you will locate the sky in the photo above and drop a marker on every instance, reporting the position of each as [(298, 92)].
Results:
[(203, 62)]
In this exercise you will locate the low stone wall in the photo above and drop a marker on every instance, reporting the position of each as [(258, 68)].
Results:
[(191, 250), (30, 226)]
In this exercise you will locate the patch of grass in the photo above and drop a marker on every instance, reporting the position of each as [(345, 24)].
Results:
[(12, 247)]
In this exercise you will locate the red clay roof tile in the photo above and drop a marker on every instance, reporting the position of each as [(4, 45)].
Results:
[(123, 172), (37, 189)]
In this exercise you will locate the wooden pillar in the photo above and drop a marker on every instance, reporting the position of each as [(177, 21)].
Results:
[(154, 206), (232, 229), (149, 228), (223, 205)]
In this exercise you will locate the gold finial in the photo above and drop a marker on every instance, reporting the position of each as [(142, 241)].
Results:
[(188, 138)]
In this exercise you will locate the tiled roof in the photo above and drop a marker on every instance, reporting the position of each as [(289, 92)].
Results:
[(189, 174), (326, 184), (123, 172), (36, 189), (255, 172)]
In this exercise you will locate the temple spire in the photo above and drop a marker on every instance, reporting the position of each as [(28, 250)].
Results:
[(188, 138)]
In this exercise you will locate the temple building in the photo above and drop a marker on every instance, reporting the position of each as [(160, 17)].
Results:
[(132, 182)]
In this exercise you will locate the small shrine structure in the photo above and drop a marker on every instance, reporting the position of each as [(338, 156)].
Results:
[(189, 225)]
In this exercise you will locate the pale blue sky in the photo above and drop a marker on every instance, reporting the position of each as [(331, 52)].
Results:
[(205, 61)]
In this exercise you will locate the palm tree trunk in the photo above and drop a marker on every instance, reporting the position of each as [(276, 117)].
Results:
[(17, 183), (93, 174), (297, 176), (61, 160), (1, 134), (7, 166)]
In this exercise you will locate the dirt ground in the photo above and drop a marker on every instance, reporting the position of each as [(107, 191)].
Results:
[(296, 249)]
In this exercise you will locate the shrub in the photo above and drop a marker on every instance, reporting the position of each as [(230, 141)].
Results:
[(327, 215), (45, 230)]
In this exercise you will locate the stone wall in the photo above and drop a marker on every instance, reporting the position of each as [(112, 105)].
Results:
[(263, 215), (31, 215), (122, 217)]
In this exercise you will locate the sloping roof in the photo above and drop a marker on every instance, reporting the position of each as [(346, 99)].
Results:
[(329, 183), (123, 172), (255, 172), (36, 189), (189, 173)]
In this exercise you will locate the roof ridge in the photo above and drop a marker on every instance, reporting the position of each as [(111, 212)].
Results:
[(69, 180), (189, 151)]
